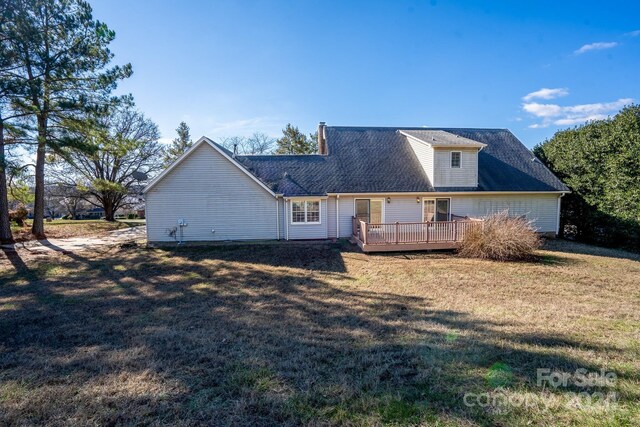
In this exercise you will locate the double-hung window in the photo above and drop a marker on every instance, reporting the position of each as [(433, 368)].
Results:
[(456, 159), (305, 212)]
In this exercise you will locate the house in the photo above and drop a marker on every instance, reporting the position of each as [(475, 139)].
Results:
[(398, 188), (90, 213)]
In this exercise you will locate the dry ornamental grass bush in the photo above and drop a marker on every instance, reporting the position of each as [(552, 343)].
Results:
[(501, 238)]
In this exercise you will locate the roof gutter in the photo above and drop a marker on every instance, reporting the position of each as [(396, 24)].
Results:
[(448, 193), (305, 197)]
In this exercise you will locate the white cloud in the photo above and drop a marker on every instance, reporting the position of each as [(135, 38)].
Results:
[(572, 114), (579, 120), (595, 46), (635, 33), (542, 110), (546, 93)]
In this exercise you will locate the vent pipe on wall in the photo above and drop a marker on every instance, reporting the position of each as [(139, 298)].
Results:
[(322, 138)]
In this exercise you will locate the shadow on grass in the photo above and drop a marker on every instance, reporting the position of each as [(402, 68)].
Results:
[(15, 259), (561, 245), (245, 335)]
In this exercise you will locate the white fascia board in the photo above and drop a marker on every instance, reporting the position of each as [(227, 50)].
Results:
[(306, 197)]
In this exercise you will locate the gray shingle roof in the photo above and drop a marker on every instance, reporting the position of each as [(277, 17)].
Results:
[(379, 160), (440, 138)]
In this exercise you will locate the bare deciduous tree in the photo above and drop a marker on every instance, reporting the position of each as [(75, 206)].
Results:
[(258, 143), (125, 147)]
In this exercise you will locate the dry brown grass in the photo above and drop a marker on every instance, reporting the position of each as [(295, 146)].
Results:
[(501, 238), (284, 334), (61, 229)]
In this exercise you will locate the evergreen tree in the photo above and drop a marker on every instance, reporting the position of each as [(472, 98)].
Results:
[(62, 55), (179, 145), (600, 162), (295, 142)]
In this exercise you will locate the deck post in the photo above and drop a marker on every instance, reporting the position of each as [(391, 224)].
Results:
[(397, 231), (455, 231), (365, 231)]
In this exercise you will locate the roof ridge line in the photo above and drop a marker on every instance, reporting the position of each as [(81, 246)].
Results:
[(415, 128)]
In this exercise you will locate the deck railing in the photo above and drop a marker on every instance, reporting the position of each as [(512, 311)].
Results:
[(412, 232)]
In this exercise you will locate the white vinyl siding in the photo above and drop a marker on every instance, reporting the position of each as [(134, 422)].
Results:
[(446, 176), (331, 218), (302, 231), (403, 209), (346, 213), (210, 193), (282, 218), (542, 209), (424, 153)]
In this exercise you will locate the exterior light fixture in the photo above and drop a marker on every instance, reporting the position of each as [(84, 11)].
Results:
[(388, 199), (417, 199)]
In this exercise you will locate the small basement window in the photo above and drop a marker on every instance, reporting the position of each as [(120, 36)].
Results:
[(305, 212), (456, 159)]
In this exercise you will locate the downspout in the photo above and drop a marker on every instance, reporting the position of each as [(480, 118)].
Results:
[(286, 220), (277, 220), (558, 218), (337, 216), (477, 167)]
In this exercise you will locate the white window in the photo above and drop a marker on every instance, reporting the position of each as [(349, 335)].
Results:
[(305, 212), (456, 159)]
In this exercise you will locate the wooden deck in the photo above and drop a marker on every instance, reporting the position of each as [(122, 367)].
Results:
[(410, 236)]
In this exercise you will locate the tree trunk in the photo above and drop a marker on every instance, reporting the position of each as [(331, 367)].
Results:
[(5, 226), (109, 212), (38, 207)]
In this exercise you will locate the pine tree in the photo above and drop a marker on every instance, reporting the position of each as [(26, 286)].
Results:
[(179, 145), (63, 57), (295, 142)]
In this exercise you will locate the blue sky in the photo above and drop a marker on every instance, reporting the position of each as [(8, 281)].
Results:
[(232, 68)]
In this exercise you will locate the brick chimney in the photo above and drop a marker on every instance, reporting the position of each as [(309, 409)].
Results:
[(322, 138)]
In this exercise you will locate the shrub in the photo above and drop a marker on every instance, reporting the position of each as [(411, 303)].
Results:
[(19, 215), (501, 238), (132, 216)]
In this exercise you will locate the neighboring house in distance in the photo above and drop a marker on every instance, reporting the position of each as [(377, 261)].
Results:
[(377, 185), (91, 213)]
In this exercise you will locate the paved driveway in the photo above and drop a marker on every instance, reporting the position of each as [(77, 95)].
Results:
[(78, 244)]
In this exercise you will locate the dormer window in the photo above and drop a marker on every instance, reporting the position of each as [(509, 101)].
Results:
[(456, 159)]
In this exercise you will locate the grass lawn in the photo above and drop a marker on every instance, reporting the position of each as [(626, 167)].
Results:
[(62, 228), (318, 335)]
